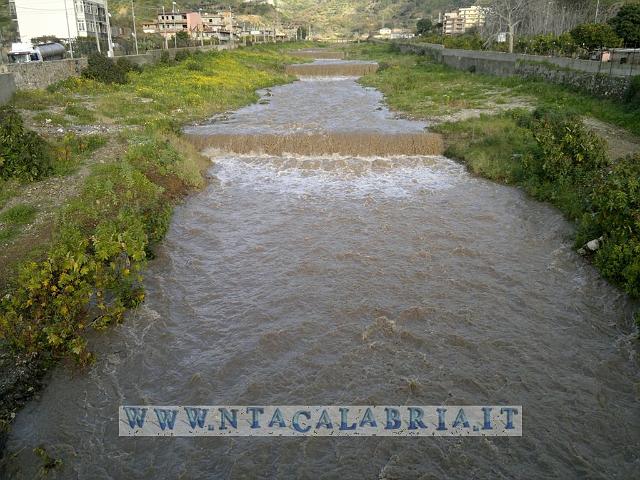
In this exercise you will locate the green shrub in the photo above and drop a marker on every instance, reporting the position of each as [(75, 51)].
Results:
[(616, 203), (182, 55), (105, 70), (595, 35), (568, 149), (165, 58), (127, 65), (193, 65), (633, 95), (91, 274), (23, 153), (49, 311)]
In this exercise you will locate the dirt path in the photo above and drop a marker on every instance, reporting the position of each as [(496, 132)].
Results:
[(469, 113), (620, 142)]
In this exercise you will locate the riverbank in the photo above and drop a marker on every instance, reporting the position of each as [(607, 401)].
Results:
[(532, 134), (75, 262)]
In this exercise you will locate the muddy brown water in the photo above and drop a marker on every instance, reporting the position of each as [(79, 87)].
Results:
[(354, 280), (321, 145)]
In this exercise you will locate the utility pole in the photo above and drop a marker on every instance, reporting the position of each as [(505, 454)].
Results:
[(597, 11), (175, 32), (135, 34), (97, 37), (200, 27), (66, 14), (231, 39), (110, 43), (166, 38), (75, 18)]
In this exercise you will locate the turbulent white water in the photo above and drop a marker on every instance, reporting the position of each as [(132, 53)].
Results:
[(345, 280), (340, 176)]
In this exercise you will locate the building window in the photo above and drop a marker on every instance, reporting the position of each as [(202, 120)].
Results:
[(80, 26)]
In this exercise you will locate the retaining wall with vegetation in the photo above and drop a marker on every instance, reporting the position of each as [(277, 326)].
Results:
[(42, 74), (599, 78)]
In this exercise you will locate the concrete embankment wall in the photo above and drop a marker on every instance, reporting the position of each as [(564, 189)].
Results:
[(7, 87), (42, 74), (598, 78)]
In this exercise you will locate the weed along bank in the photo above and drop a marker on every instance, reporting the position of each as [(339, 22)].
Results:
[(298, 242)]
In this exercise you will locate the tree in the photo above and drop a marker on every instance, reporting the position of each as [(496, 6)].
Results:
[(7, 25), (627, 24), (424, 26), (592, 36), (183, 39), (511, 13), (303, 32), (45, 39)]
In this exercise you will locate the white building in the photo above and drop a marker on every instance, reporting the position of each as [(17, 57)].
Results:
[(463, 19), (60, 18)]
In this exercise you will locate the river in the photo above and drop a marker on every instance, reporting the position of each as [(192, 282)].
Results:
[(328, 281)]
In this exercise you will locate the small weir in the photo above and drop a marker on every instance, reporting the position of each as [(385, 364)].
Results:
[(319, 54), (332, 69), (353, 144)]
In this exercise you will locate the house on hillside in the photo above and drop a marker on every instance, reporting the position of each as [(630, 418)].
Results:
[(394, 33)]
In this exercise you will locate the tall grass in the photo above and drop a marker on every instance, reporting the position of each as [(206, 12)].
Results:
[(422, 88)]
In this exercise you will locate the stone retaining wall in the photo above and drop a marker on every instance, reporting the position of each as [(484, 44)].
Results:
[(7, 87), (42, 74)]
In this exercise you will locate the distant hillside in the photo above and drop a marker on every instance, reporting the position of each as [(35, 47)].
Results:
[(148, 9), (337, 16), (324, 15), (364, 15)]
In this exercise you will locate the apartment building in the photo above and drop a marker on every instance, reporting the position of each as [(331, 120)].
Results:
[(60, 18), (196, 24), (473, 16), (461, 20), (453, 23)]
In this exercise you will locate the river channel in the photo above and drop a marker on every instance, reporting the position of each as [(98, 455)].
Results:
[(360, 281)]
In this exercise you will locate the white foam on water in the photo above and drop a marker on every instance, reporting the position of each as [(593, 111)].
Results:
[(327, 78), (338, 176)]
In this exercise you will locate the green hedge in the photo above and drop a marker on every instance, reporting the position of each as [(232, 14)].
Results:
[(24, 154)]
